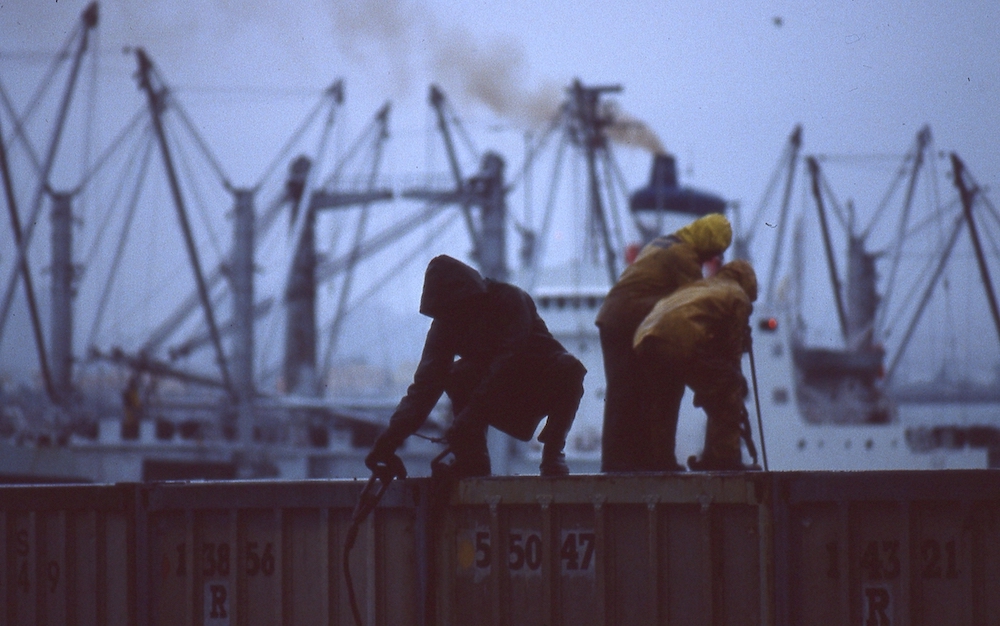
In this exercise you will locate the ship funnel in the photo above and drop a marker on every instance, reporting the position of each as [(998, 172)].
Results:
[(664, 195), (664, 173)]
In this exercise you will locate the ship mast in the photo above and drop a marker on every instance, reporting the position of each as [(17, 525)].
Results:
[(22, 237), (485, 190), (157, 103)]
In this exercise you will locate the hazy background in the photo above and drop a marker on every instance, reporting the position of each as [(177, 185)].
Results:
[(721, 85)]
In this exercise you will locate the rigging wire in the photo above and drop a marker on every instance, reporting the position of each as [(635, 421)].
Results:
[(345, 286), (331, 267), (536, 148), (363, 140), (198, 195), (617, 234), (18, 132), (200, 142), (543, 235), (294, 139), (887, 198), (112, 148), (916, 156), (122, 239), (213, 281), (21, 267), (109, 212), (618, 176), (890, 371), (949, 303), (772, 184), (43, 87), (395, 271)]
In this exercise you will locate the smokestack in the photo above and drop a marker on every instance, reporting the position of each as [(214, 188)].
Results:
[(664, 172), (664, 195)]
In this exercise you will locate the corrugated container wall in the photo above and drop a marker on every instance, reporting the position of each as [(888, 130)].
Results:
[(886, 548), (68, 555), (607, 550)]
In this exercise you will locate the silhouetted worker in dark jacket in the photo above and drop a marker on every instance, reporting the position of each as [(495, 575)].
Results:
[(510, 372)]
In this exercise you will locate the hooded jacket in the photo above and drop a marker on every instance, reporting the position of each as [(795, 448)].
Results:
[(491, 325), (664, 264), (705, 318)]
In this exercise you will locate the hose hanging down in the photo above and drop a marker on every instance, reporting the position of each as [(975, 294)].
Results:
[(367, 501)]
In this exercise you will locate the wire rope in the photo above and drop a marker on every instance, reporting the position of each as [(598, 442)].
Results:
[(295, 137), (122, 239), (95, 247), (198, 196)]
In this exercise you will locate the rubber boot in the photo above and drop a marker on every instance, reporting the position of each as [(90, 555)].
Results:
[(471, 455), (553, 460)]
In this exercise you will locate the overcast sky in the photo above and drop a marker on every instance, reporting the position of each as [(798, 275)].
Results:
[(721, 85)]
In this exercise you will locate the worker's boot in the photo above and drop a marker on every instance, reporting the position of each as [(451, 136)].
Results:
[(468, 445), (553, 460), (722, 452)]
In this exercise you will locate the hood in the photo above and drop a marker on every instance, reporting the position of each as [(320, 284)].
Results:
[(741, 273), (710, 235), (447, 283)]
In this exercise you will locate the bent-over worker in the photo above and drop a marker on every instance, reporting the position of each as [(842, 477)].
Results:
[(699, 335)]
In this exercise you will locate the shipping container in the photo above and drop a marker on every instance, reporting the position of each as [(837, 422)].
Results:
[(68, 555), (888, 548), (880, 548), (615, 549)]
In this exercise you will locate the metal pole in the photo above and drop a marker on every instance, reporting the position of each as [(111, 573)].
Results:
[(61, 315), (493, 211), (756, 399)]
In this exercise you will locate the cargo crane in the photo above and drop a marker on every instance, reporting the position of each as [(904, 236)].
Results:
[(229, 400), (57, 377)]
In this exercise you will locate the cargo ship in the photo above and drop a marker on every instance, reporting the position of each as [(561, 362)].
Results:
[(189, 395)]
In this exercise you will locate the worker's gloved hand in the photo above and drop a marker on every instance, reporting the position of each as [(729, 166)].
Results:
[(383, 456)]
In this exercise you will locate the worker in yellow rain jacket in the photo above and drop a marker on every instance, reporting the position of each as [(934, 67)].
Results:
[(638, 435), (699, 334)]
